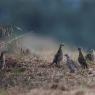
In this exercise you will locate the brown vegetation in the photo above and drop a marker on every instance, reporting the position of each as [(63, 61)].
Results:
[(32, 72)]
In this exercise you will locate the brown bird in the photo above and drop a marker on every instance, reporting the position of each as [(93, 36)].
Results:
[(2, 60), (59, 55), (90, 56), (71, 64), (82, 60)]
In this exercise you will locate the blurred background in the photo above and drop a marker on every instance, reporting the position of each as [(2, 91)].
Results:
[(69, 21)]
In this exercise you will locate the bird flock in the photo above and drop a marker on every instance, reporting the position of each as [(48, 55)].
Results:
[(58, 58), (71, 64)]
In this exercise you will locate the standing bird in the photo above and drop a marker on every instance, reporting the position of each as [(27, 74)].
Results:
[(2, 60), (82, 60), (58, 56), (90, 55), (70, 64)]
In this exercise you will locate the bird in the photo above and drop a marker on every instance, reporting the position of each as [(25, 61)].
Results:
[(90, 56), (82, 60), (2, 60), (58, 56), (71, 64)]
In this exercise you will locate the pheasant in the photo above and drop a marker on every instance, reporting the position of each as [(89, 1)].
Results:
[(82, 60), (58, 56)]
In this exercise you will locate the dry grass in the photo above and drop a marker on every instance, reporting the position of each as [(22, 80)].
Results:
[(81, 91), (36, 77), (36, 74)]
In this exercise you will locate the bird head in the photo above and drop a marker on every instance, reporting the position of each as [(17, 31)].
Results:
[(79, 49), (92, 50), (62, 44)]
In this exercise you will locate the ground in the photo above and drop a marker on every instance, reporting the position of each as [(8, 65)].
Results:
[(33, 75)]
